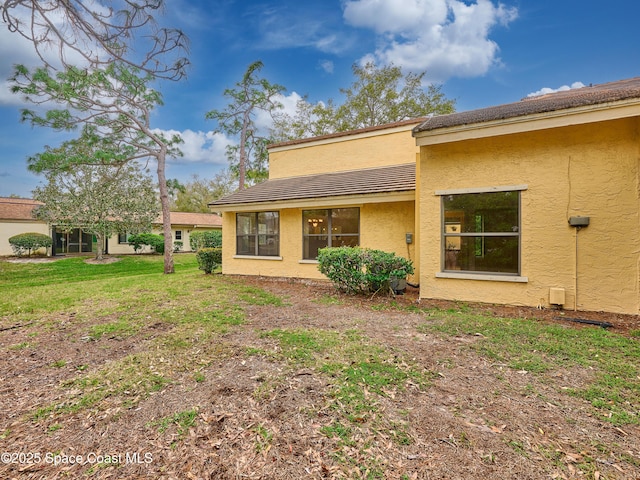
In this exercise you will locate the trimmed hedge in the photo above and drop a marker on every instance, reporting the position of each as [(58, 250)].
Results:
[(209, 259), (30, 241), (205, 239), (362, 270), (155, 241)]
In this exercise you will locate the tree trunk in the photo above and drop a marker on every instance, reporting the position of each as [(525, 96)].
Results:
[(166, 213), (242, 166), (99, 246)]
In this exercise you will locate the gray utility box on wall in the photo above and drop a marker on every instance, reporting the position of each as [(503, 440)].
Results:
[(579, 221)]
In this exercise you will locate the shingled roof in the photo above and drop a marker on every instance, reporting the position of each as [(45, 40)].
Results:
[(397, 178), (579, 97), (195, 219), (17, 208)]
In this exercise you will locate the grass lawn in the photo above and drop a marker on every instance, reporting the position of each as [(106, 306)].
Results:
[(119, 371)]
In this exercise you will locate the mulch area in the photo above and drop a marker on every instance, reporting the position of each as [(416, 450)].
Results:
[(477, 419)]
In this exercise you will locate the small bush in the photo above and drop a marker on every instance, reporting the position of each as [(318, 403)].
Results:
[(209, 259), (344, 267), (28, 242), (361, 270), (156, 242), (177, 246), (205, 239)]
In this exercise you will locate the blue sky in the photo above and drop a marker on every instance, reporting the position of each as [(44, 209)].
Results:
[(482, 52)]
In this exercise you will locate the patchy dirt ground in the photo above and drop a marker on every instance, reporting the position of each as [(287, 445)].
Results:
[(261, 418)]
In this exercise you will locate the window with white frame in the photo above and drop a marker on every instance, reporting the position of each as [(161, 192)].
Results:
[(481, 231), (258, 234), (123, 238), (178, 234), (332, 227)]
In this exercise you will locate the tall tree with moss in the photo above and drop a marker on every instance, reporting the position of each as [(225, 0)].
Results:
[(378, 96), (122, 50), (250, 96), (102, 199), (198, 193), (382, 95), (112, 107)]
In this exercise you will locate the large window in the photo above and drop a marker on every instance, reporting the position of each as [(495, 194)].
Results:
[(333, 227), (481, 232), (258, 233)]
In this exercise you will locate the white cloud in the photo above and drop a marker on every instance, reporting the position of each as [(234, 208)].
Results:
[(263, 119), (15, 49), (564, 88), (444, 37), (327, 66), (394, 16), (301, 26), (200, 147)]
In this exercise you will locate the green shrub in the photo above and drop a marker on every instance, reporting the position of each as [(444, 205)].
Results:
[(344, 267), (361, 270), (28, 242), (155, 241), (205, 239), (209, 259), (177, 246)]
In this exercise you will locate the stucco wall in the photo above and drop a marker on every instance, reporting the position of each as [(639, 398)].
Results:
[(349, 153), (15, 227), (382, 226), (589, 170), (116, 248)]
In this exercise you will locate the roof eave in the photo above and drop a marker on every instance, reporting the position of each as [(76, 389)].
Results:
[(321, 202), (526, 123)]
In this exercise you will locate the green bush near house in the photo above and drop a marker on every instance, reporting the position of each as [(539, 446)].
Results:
[(29, 242), (209, 259), (205, 239), (362, 270), (155, 241)]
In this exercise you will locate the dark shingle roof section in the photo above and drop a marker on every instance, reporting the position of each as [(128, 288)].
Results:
[(579, 97), (397, 178)]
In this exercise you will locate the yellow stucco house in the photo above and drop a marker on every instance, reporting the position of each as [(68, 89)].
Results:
[(533, 203), (353, 188)]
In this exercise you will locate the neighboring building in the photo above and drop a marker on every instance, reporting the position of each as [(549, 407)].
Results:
[(532, 203), (354, 188), (183, 224), (15, 218)]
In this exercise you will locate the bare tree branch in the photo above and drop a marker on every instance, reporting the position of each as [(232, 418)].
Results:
[(100, 35)]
